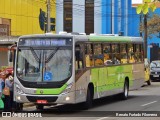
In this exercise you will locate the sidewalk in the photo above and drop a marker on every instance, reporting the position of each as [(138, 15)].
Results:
[(24, 106)]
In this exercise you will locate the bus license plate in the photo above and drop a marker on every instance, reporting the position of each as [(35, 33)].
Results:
[(41, 101), (155, 75)]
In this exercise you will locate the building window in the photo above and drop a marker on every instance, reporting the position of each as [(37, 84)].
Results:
[(67, 15), (89, 16)]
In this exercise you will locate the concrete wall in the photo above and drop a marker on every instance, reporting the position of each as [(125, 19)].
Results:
[(97, 17), (24, 15), (3, 56), (79, 16), (59, 16)]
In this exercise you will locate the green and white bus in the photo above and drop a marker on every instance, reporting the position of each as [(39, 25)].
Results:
[(68, 68)]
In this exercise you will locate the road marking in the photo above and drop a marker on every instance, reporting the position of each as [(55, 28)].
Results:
[(102, 118), (149, 103)]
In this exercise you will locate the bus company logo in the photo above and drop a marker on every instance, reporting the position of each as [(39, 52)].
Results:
[(41, 91), (6, 114)]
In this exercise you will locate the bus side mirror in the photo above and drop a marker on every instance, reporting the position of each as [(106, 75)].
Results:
[(10, 57)]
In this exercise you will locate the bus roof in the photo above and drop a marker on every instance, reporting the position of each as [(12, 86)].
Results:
[(96, 38), (115, 38)]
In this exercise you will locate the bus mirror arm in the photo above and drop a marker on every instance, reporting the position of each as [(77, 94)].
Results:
[(10, 57), (10, 52)]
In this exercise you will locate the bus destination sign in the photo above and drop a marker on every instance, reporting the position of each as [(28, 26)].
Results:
[(43, 42)]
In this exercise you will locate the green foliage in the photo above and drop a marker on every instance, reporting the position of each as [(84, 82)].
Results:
[(147, 1), (146, 6), (153, 7), (153, 26), (139, 9)]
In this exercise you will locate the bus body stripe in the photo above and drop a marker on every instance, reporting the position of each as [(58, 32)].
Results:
[(49, 91)]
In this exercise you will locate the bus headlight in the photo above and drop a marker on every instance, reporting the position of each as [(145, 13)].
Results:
[(19, 90), (18, 98), (68, 88)]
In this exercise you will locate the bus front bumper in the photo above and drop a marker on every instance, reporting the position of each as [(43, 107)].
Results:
[(67, 98)]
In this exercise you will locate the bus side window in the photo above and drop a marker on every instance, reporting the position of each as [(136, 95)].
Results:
[(131, 55), (89, 55), (79, 57), (138, 53), (107, 54), (98, 56), (116, 54), (123, 52)]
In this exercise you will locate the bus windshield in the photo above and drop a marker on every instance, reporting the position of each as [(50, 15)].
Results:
[(44, 65)]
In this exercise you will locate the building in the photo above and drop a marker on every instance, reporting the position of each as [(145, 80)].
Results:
[(83, 16), (97, 16), (101, 17), (21, 17), (119, 17)]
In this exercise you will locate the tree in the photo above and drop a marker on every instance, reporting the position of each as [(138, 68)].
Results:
[(144, 8), (153, 26), (147, 4)]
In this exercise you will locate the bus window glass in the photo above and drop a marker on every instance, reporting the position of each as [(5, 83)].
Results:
[(44, 65), (107, 54), (28, 66), (123, 51), (116, 54), (89, 55), (131, 57), (79, 57), (98, 56), (138, 53), (57, 64)]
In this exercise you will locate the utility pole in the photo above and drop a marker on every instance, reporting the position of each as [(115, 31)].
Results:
[(48, 16), (145, 36), (140, 33)]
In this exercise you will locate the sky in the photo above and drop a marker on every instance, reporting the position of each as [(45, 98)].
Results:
[(137, 1)]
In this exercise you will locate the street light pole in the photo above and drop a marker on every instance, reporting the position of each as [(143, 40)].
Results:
[(48, 16), (145, 36)]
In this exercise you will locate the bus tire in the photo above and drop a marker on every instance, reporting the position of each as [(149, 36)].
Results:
[(124, 94), (89, 99), (39, 107), (148, 82), (18, 106)]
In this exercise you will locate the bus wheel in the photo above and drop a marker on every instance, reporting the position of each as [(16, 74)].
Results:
[(39, 107), (148, 82), (124, 94), (18, 106), (89, 99)]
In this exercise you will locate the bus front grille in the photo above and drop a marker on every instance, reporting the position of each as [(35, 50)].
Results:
[(35, 98)]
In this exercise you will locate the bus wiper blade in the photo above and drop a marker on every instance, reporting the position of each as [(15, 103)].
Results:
[(51, 55), (34, 54)]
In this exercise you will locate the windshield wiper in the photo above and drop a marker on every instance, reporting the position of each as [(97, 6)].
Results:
[(51, 55), (34, 54)]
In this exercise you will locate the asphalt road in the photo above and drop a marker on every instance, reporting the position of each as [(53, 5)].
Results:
[(142, 102)]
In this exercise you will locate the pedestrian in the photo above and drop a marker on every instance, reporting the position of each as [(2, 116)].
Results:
[(1, 89), (9, 97)]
